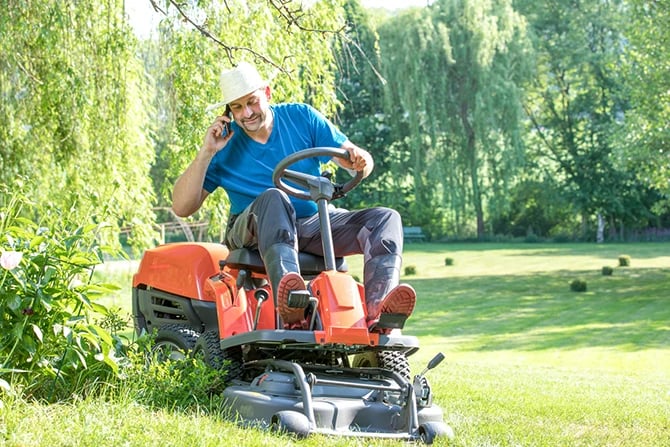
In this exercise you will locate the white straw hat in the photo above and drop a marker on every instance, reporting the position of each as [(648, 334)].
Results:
[(237, 82)]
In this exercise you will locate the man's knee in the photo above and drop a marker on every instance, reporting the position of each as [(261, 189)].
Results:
[(273, 196), (388, 217)]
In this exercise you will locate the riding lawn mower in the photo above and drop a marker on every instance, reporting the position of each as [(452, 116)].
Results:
[(333, 376)]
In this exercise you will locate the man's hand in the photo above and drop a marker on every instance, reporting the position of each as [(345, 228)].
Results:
[(215, 137), (359, 159)]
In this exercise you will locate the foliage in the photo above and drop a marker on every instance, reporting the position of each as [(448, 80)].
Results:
[(459, 118), (647, 129), (578, 105), (624, 261), (93, 116), (73, 112), (50, 344), (578, 285), (360, 89), (184, 384), (536, 208)]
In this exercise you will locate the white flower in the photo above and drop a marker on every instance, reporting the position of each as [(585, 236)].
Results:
[(10, 259)]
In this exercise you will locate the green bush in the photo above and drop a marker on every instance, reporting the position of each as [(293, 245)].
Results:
[(448, 261), (624, 261), (172, 383), (410, 270), (607, 270), (50, 346), (578, 285)]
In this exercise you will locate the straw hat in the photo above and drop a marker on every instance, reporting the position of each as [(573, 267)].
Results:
[(237, 82)]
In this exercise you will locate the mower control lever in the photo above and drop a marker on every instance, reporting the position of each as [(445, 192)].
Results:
[(433, 363), (261, 296)]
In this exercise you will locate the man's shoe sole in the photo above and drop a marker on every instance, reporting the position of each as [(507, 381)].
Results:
[(289, 282)]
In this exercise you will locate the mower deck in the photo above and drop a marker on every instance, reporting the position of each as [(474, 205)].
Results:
[(360, 402)]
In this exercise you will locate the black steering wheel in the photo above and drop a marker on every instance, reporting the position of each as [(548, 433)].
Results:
[(312, 185)]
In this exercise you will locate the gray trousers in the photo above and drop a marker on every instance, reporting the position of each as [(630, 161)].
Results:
[(270, 219)]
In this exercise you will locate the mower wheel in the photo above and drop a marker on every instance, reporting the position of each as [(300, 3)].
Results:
[(208, 347), (290, 422), (431, 430), (173, 342), (392, 360)]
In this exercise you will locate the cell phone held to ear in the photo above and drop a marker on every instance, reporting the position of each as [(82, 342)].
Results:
[(226, 125)]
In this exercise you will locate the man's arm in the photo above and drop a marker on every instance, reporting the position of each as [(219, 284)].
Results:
[(188, 193)]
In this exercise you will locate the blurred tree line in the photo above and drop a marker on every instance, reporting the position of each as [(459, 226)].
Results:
[(487, 119)]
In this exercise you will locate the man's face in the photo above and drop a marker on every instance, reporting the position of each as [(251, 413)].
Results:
[(251, 111)]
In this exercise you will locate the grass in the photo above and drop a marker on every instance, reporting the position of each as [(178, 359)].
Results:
[(529, 362)]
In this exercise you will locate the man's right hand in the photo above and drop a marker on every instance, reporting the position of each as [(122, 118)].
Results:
[(215, 138)]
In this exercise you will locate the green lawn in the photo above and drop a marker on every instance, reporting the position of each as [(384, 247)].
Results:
[(533, 363), (528, 361)]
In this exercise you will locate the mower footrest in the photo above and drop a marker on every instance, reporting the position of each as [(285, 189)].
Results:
[(391, 321)]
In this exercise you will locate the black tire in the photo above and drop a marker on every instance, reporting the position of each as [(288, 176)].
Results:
[(431, 430), (208, 348), (391, 360), (173, 342)]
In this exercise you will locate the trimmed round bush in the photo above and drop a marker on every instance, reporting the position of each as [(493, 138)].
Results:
[(448, 261), (410, 270), (624, 261), (607, 270), (578, 285)]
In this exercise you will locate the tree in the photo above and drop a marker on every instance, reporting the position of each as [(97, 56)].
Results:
[(578, 104), (455, 73), (73, 112), (646, 135)]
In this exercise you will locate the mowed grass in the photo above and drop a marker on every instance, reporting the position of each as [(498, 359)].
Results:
[(528, 361)]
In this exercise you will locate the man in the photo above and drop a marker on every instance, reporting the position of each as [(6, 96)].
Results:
[(241, 159)]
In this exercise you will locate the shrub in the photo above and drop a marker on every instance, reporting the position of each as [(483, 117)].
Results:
[(448, 261), (578, 285), (607, 270), (410, 270), (172, 383), (624, 261), (50, 346)]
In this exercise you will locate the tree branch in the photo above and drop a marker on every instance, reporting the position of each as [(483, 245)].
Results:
[(292, 17)]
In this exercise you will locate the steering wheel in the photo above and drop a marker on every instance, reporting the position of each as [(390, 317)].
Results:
[(309, 182)]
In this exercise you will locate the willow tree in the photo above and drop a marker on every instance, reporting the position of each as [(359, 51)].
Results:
[(72, 112), (455, 71), (290, 43)]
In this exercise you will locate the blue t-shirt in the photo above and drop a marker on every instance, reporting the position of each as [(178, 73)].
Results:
[(244, 167)]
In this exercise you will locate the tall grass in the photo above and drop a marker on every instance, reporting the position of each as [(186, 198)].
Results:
[(529, 362)]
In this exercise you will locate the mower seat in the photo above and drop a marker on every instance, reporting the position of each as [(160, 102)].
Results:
[(310, 264)]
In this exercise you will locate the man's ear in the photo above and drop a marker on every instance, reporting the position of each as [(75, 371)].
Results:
[(268, 92)]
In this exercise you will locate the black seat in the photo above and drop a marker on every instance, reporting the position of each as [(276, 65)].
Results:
[(310, 264)]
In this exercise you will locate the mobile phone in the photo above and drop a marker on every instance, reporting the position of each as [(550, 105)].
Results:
[(226, 125)]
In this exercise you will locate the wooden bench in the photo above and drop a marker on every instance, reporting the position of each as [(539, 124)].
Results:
[(413, 234)]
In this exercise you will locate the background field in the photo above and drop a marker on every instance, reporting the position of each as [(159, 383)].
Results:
[(528, 361)]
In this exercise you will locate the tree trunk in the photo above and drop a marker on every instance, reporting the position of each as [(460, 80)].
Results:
[(601, 229)]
